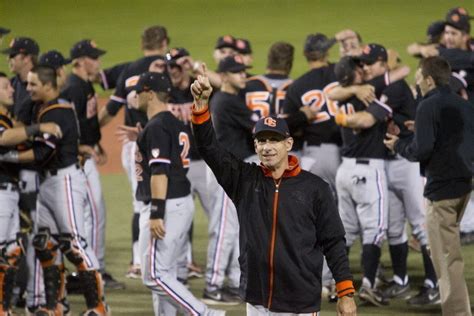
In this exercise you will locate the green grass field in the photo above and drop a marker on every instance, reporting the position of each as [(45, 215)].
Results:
[(116, 26)]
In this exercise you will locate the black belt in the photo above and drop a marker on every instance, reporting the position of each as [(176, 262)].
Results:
[(362, 162), (9, 186), (54, 172)]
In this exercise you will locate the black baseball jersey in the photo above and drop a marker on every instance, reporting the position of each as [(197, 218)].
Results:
[(399, 97), (22, 108), (128, 79), (367, 143), (180, 104), (52, 153), (461, 62), (81, 94), (265, 94), (8, 171), (234, 123), (163, 148), (310, 89), (110, 76)]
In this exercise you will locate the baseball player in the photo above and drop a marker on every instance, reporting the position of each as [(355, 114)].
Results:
[(22, 57), (281, 254), (179, 104), (361, 181), (85, 57), (234, 123), (11, 241), (61, 199), (109, 77), (265, 94), (162, 160), (405, 188), (154, 45), (244, 49), (321, 138)]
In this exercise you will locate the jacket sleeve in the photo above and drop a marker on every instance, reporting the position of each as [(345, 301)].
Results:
[(458, 58), (331, 235), (420, 146), (228, 169)]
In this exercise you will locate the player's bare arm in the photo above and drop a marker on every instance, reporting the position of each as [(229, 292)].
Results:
[(358, 120), (365, 93), (18, 135), (159, 188)]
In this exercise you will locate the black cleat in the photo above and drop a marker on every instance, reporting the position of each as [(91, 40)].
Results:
[(395, 290), (220, 297), (111, 283), (426, 296)]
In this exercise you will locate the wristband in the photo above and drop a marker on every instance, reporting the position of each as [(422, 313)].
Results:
[(32, 130), (157, 209), (11, 156), (345, 288), (341, 119)]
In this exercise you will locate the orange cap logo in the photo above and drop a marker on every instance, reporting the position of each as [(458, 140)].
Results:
[(269, 121), (238, 59), (228, 39), (455, 18)]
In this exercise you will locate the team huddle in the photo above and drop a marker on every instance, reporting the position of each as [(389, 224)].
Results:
[(291, 173)]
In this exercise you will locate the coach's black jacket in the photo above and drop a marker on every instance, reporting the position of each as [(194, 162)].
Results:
[(284, 229)]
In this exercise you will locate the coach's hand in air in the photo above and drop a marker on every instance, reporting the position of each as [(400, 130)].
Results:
[(346, 306), (201, 90), (157, 228)]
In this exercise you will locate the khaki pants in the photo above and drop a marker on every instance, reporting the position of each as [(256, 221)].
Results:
[(443, 219)]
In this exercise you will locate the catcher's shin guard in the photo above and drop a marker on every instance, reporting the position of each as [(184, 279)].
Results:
[(93, 292), (7, 282), (45, 249), (71, 251)]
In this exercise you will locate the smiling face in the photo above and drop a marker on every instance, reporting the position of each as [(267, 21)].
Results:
[(272, 149), (6, 92), (374, 70), (454, 38)]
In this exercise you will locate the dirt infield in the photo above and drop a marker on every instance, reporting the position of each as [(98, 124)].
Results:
[(112, 146)]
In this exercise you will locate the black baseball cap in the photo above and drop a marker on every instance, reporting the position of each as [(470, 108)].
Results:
[(460, 11), (243, 46), (373, 53), (434, 31), (225, 41), (271, 124), (86, 48), (232, 64), (175, 54), (153, 81), (458, 21), (22, 45), (53, 59), (318, 43), (4, 31)]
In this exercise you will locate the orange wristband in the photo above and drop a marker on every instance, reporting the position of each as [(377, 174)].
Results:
[(344, 288), (341, 119), (200, 116)]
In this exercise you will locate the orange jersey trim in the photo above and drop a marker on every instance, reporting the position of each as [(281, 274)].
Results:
[(52, 107)]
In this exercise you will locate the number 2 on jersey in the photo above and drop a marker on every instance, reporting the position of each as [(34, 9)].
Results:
[(317, 99), (184, 141)]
